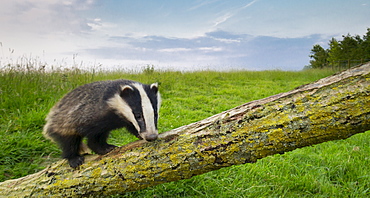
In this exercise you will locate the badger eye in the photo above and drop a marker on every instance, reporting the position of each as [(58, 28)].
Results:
[(139, 116)]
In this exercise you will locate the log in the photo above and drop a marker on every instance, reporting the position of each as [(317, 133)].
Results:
[(332, 108)]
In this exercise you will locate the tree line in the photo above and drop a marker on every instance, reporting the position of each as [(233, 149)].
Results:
[(350, 51)]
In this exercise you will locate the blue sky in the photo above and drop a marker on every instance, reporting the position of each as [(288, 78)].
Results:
[(179, 35)]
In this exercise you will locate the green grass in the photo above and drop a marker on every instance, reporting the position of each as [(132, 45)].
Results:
[(332, 169)]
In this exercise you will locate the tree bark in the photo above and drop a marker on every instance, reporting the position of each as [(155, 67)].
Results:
[(332, 108)]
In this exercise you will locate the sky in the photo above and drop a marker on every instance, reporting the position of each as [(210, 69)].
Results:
[(183, 35)]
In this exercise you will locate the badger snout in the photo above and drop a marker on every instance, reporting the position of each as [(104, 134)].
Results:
[(150, 137)]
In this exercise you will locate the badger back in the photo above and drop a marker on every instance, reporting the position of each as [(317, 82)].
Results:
[(80, 106), (138, 104)]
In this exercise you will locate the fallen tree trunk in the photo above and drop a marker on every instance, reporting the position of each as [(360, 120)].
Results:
[(332, 108)]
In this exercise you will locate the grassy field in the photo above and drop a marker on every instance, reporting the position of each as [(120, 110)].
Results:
[(332, 169)]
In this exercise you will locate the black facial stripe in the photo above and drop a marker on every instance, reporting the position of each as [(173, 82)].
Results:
[(133, 100), (153, 97)]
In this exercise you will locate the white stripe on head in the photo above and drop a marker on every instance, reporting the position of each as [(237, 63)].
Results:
[(123, 108), (148, 111), (159, 100)]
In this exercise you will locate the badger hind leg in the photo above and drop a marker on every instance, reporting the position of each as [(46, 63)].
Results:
[(98, 142), (70, 145), (71, 149)]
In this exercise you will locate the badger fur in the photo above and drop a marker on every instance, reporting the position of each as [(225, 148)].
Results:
[(94, 109)]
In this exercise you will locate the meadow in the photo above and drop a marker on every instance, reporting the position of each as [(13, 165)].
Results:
[(332, 169)]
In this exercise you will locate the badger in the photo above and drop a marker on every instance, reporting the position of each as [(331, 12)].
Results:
[(92, 110)]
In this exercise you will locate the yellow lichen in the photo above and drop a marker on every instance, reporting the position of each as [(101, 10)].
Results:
[(96, 172)]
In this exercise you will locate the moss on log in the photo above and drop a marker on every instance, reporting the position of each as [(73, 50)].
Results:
[(332, 108)]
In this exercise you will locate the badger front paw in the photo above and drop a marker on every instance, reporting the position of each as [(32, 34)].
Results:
[(75, 161)]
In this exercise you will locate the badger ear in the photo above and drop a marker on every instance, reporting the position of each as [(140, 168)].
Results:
[(126, 90), (154, 87)]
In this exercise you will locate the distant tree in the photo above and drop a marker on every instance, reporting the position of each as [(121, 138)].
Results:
[(335, 52), (319, 56), (350, 47)]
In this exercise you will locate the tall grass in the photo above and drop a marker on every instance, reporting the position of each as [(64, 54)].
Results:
[(333, 169)]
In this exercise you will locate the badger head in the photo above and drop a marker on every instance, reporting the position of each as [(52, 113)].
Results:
[(139, 105)]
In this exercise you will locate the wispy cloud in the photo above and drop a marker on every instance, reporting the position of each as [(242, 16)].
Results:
[(175, 50), (223, 18), (231, 13), (201, 3), (248, 4)]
